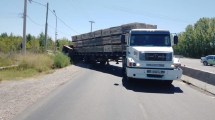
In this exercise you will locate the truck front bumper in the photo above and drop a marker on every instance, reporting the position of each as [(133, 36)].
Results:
[(155, 74)]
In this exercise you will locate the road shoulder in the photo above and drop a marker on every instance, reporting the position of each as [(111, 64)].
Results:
[(16, 96)]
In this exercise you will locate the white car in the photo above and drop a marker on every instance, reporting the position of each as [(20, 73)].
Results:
[(208, 60)]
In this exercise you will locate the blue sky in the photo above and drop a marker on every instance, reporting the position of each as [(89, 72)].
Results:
[(173, 15)]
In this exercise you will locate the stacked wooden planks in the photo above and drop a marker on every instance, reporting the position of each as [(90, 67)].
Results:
[(106, 40)]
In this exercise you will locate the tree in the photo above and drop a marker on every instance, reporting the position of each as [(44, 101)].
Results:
[(198, 39), (41, 39), (13, 43), (9, 43), (29, 37), (4, 35), (62, 42)]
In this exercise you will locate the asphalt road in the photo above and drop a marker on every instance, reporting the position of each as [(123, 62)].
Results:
[(100, 93), (195, 63)]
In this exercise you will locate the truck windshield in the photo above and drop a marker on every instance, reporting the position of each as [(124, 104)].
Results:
[(150, 40)]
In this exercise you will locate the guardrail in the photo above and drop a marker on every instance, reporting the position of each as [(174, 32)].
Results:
[(203, 76)]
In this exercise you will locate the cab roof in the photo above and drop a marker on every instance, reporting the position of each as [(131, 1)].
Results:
[(149, 31)]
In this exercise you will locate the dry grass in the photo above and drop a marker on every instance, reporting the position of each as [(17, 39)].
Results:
[(6, 60), (14, 74), (39, 62), (28, 66)]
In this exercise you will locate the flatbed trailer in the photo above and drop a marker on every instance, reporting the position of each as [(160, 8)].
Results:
[(104, 45)]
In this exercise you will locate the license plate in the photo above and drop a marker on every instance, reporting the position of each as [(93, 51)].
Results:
[(155, 65), (155, 72)]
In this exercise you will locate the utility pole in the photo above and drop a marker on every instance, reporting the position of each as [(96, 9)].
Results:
[(91, 22), (55, 32), (46, 26), (24, 28)]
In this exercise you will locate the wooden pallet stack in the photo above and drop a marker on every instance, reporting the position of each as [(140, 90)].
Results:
[(106, 40)]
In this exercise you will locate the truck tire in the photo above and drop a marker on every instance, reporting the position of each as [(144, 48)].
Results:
[(102, 62), (124, 66), (123, 72), (128, 79), (168, 82)]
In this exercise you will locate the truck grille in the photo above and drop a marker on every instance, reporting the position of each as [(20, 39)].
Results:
[(156, 56)]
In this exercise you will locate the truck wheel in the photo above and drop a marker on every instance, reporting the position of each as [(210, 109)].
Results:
[(205, 63), (128, 79), (123, 72), (102, 62), (168, 82), (124, 68)]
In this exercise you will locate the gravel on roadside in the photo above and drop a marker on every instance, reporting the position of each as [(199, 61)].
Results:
[(16, 96)]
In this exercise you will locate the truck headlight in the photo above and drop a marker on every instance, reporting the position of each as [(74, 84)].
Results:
[(133, 64)]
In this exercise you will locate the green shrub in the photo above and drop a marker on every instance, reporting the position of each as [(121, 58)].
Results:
[(61, 60)]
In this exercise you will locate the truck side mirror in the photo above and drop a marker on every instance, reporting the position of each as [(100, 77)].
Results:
[(175, 40)]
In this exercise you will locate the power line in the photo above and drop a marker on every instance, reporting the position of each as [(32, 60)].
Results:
[(29, 18), (145, 14), (48, 26), (85, 14), (64, 22), (34, 21), (31, 1), (46, 30), (67, 25), (53, 28), (11, 15), (54, 14)]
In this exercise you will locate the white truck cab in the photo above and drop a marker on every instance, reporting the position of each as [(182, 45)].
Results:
[(149, 55)]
